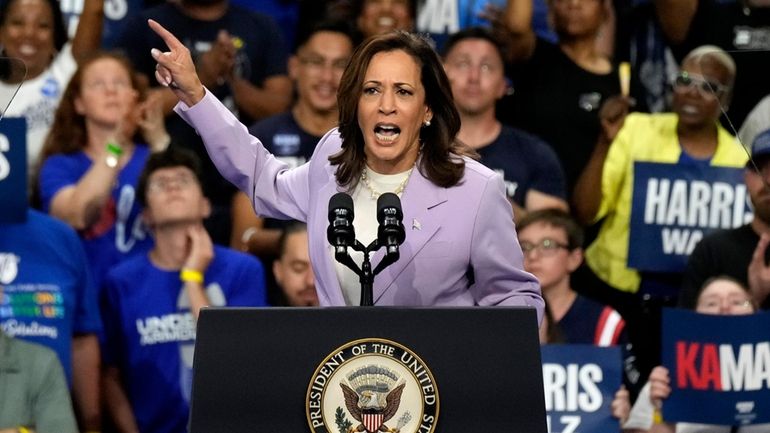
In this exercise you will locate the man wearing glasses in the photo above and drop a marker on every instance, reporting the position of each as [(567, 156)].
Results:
[(689, 139)]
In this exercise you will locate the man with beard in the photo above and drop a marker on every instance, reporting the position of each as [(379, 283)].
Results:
[(740, 252)]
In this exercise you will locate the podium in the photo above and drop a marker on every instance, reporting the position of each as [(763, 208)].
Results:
[(417, 370)]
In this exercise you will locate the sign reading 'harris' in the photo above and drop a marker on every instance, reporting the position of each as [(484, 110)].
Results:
[(675, 206), (372, 385)]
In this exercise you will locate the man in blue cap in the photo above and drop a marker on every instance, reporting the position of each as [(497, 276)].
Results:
[(742, 252)]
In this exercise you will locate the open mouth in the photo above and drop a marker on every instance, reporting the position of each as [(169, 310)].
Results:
[(326, 91), (386, 21), (689, 109), (27, 50), (386, 132)]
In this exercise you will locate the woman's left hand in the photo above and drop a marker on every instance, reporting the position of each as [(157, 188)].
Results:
[(151, 122), (621, 405)]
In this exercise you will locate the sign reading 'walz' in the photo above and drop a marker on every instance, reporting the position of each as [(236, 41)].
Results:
[(372, 385), (674, 206)]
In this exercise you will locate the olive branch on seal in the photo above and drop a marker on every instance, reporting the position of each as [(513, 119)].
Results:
[(342, 421)]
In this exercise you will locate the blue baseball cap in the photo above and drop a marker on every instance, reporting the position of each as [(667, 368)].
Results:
[(760, 147)]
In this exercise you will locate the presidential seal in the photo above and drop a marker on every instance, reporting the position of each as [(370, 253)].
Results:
[(372, 385)]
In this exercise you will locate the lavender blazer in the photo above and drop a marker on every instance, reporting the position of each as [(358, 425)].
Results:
[(448, 230)]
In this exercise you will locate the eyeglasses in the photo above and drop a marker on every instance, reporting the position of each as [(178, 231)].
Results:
[(163, 183), (546, 247), (317, 64), (102, 85), (684, 81)]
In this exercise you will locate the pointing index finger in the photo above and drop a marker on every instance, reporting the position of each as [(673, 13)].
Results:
[(171, 41)]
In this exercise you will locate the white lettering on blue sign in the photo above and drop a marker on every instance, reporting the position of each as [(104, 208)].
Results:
[(572, 388), (439, 16), (695, 204), (5, 166)]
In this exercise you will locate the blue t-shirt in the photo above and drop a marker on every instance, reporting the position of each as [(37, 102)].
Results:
[(150, 331), (526, 163), (283, 137), (119, 232), (48, 294), (261, 49)]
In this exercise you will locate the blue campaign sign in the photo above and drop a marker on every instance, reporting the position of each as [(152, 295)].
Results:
[(13, 169), (674, 206), (719, 367), (580, 382)]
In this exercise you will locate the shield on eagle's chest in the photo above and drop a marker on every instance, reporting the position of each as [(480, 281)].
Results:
[(372, 421)]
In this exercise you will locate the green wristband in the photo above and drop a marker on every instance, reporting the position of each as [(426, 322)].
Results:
[(114, 149)]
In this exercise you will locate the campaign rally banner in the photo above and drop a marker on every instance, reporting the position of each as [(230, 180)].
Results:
[(580, 382), (674, 206), (719, 367), (13, 169)]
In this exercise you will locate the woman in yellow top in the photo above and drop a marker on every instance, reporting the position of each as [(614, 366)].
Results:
[(690, 133)]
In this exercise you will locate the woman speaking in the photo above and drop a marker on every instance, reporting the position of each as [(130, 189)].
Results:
[(396, 134)]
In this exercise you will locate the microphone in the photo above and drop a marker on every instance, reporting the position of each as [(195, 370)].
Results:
[(391, 232), (341, 233)]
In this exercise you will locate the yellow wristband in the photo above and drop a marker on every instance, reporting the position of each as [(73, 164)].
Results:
[(657, 417), (191, 276), (22, 429)]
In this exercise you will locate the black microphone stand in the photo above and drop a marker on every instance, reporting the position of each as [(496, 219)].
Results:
[(365, 273)]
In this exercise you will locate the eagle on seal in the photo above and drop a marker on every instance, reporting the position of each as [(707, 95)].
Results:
[(367, 405)]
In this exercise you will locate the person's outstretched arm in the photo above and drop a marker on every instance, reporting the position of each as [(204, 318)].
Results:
[(275, 190)]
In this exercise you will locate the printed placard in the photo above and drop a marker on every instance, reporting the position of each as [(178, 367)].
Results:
[(675, 206), (13, 169), (719, 367), (580, 382)]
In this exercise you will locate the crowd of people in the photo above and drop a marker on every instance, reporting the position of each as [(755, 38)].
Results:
[(596, 160)]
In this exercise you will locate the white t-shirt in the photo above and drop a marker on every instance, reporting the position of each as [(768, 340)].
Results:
[(38, 99)]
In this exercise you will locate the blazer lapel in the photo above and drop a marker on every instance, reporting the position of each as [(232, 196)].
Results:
[(419, 203), (325, 267)]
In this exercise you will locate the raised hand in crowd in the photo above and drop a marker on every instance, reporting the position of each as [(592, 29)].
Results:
[(151, 123), (216, 65), (612, 114), (759, 272)]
